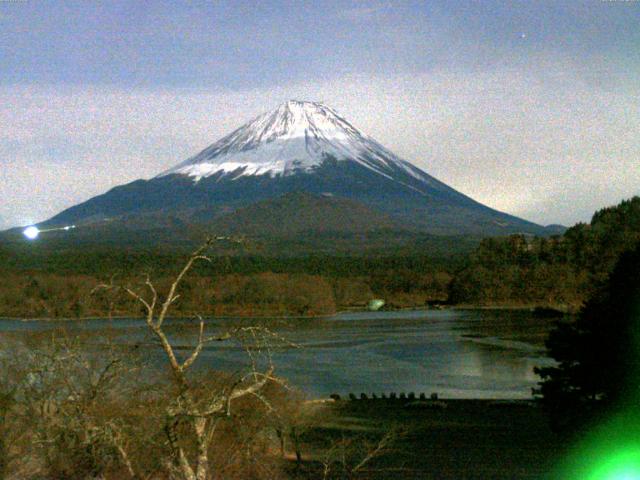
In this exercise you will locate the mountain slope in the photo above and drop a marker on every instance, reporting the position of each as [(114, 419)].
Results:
[(297, 212), (299, 147)]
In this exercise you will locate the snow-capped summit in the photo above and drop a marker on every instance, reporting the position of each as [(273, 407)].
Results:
[(295, 137)]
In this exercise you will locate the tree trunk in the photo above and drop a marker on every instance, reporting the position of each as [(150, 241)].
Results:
[(202, 469), (180, 459)]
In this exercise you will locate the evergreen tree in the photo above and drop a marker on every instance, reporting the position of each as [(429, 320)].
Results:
[(599, 354)]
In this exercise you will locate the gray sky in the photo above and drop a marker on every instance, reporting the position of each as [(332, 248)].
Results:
[(532, 108)]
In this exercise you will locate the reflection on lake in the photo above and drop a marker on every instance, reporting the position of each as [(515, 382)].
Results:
[(456, 353)]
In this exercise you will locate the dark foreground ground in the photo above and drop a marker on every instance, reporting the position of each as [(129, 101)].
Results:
[(454, 439)]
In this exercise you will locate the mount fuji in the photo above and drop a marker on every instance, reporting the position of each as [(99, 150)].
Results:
[(301, 160)]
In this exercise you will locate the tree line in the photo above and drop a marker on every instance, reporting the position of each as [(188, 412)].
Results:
[(559, 271)]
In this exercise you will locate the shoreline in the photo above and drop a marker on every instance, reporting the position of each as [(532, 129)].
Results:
[(177, 317), (559, 309)]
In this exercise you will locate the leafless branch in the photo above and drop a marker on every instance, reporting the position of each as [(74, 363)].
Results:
[(171, 296), (192, 358)]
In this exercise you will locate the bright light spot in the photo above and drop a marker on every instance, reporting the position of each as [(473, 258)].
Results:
[(31, 233), (623, 466)]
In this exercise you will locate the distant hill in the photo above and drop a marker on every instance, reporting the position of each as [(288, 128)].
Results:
[(559, 270)]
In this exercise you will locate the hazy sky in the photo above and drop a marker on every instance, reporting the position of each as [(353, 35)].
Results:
[(532, 108)]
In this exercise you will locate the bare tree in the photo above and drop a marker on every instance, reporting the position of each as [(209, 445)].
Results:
[(193, 415), (64, 418), (352, 457)]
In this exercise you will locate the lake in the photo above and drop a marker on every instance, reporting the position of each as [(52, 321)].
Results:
[(455, 353)]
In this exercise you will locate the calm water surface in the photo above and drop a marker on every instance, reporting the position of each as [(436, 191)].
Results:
[(456, 353)]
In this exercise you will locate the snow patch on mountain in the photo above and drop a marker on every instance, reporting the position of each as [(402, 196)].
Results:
[(296, 137)]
